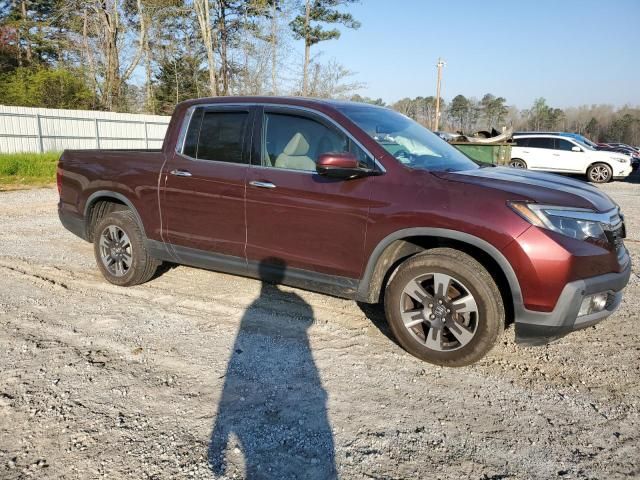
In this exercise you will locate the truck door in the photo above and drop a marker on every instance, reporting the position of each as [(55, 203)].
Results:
[(203, 196), (311, 222)]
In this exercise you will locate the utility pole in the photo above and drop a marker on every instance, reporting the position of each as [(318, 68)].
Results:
[(440, 64)]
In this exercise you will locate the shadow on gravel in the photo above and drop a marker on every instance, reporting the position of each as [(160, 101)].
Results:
[(272, 414), (375, 313)]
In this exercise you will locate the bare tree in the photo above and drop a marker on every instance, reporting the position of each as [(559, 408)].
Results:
[(203, 13)]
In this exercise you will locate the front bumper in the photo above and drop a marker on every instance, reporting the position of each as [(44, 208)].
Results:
[(538, 328), (623, 171)]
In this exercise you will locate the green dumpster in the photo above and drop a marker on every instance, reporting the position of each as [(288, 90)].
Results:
[(495, 153)]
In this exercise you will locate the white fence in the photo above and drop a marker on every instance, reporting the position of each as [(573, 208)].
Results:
[(24, 129)]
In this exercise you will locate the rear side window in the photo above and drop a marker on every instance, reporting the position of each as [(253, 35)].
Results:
[(216, 135), (540, 142)]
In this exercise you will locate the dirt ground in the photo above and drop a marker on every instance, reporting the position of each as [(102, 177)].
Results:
[(197, 374)]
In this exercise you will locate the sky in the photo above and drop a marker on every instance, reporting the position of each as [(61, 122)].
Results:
[(570, 52)]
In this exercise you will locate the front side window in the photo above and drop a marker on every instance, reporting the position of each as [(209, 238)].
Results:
[(296, 142), (564, 145), (216, 135), (409, 142)]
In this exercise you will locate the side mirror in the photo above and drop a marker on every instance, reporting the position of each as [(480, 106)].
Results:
[(576, 149), (340, 165)]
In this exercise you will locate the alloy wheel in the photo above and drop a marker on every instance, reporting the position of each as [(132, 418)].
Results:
[(439, 312), (115, 250), (599, 174)]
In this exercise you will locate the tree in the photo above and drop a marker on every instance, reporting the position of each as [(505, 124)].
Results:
[(29, 27), (179, 78), (593, 129), (459, 110), (377, 101), (308, 26), (43, 87), (493, 110), (203, 13), (330, 80)]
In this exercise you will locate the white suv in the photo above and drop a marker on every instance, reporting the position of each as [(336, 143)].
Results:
[(558, 154)]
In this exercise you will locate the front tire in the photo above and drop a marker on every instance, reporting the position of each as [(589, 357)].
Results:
[(599, 173), (444, 308), (120, 251)]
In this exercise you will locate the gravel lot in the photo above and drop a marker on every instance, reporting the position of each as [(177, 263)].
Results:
[(197, 374)]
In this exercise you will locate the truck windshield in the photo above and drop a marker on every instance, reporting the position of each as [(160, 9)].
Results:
[(408, 141)]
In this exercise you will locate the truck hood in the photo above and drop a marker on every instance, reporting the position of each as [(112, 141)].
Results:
[(545, 188)]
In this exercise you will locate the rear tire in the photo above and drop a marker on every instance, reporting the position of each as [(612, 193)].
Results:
[(517, 163), (599, 173), (120, 251), (444, 308)]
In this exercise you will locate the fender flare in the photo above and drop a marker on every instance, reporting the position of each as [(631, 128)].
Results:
[(369, 289), (100, 194)]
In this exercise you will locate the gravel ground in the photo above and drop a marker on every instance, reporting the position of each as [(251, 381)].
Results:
[(197, 374)]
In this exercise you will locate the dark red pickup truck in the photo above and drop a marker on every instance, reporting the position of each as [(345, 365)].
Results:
[(359, 202)]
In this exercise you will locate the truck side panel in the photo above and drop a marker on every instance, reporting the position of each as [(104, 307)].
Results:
[(130, 174)]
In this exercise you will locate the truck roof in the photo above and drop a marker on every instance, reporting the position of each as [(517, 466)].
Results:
[(278, 100)]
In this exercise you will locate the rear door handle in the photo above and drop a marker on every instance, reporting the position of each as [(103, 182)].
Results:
[(556, 154), (258, 184), (180, 173)]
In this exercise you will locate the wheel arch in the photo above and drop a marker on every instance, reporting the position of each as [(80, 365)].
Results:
[(111, 197), (400, 245)]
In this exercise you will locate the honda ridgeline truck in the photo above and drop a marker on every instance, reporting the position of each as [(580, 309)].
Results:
[(360, 202)]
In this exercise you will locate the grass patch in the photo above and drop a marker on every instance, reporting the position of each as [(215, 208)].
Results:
[(28, 168)]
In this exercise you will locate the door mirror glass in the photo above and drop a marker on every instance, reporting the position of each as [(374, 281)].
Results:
[(576, 149), (340, 165)]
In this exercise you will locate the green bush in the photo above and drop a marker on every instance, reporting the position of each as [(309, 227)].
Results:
[(44, 87), (28, 168)]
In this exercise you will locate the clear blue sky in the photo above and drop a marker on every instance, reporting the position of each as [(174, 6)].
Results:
[(570, 52)]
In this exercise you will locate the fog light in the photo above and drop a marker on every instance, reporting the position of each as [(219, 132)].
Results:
[(593, 304)]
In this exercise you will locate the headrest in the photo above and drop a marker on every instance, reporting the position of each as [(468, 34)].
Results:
[(297, 146)]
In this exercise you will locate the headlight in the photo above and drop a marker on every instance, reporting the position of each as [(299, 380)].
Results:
[(620, 159), (574, 222)]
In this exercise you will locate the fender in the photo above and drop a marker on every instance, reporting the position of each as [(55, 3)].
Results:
[(117, 196), (369, 288)]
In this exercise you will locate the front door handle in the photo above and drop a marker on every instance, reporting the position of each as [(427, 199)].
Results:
[(255, 183), (180, 173), (556, 154)]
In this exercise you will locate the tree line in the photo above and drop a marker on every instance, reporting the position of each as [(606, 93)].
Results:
[(601, 123), (148, 55)]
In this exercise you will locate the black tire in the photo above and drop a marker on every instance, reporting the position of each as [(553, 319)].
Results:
[(141, 265), (599, 173), (466, 274), (518, 163)]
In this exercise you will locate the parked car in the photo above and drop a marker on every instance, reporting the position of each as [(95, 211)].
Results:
[(575, 136), (625, 146), (635, 156), (360, 202), (559, 154)]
